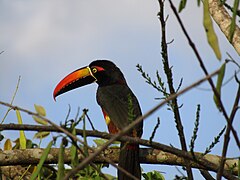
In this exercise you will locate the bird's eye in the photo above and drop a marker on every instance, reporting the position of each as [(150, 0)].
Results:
[(94, 70)]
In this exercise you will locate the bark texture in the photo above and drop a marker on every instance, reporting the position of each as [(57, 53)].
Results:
[(223, 19)]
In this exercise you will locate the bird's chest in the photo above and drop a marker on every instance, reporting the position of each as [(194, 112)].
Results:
[(112, 95), (114, 102)]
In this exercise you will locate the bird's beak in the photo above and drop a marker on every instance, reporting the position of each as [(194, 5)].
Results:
[(78, 78)]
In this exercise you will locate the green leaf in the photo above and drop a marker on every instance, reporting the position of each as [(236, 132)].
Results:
[(99, 142), (182, 5), (154, 175), (42, 160), (22, 139), (30, 144), (73, 152), (17, 144), (219, 84), (110, 176), (233, 22), (40, 110), (198, 2), (211, 35), (61, 169), (41, 135), (39, 120), (214, 142), (8, 145)]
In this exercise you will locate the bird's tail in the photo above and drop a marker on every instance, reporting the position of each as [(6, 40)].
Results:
[(129, 160)]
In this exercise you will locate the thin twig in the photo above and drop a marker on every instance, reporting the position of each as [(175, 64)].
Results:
[(68, 113), (195, 131), (168, 72), (14, 95), (192, 45), (77, 115), (182, 174), (89, 120), (104, 135), (136, 122), (206, 174), (147, 156), (227, 134), (65, 132), (154, 130)]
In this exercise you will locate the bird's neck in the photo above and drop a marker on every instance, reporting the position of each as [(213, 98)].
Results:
[(110, 82)]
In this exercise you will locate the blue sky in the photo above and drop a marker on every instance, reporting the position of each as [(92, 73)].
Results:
[(45, 40)]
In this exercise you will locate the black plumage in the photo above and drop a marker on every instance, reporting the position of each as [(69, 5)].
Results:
[(119, 104)]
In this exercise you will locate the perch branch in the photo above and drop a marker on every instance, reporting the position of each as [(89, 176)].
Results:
[(147, 156)]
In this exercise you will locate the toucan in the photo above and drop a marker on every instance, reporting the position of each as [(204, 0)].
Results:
[(119, 105)]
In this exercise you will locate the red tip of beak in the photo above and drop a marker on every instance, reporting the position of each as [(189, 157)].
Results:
[(54, 97)]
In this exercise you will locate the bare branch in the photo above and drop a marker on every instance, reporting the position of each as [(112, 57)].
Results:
[(125, 130), (13, 97), (206, 73), (227, 134), (147, 156), (169, 75), (140, 119)]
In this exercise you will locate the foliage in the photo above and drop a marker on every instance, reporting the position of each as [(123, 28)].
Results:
[(36, 173), (211, 35), (195, 131), (154, 175), (219, 85), (214, 142)]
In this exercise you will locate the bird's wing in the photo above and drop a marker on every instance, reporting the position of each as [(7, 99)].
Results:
[(120, 104)]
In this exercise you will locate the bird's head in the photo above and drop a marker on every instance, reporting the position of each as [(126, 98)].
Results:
[(103, 72)]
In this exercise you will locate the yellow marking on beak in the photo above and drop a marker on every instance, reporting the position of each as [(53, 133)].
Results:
[(90, 71)]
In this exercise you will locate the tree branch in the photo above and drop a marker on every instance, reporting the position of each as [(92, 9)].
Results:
[(169, 75), (147, 156), (61, 129), (206, 73), (227, 133), (165, 148), (223, 19)]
